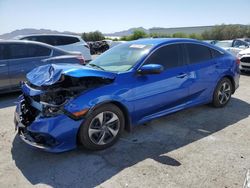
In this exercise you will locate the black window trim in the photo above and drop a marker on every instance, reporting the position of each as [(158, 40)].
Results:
[(183, 49)]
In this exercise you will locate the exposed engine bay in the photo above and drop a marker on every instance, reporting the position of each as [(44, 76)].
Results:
[(66, 88), (53, 98)]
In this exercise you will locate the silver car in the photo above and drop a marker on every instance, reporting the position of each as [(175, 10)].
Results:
[(19, 57)]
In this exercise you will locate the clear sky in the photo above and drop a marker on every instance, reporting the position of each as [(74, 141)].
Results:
[(116, 15)]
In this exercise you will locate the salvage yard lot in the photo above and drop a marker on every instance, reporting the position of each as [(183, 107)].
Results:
[(198, 147)]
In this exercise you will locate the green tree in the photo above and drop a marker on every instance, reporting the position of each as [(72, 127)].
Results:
[(195, 36), (93, 36), (137, 34), (180, 35), (160, 35), (226, 32)]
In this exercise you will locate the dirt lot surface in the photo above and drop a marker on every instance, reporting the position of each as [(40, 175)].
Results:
[(198, 147)]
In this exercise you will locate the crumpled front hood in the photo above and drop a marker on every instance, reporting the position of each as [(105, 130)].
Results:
[(49, 74)]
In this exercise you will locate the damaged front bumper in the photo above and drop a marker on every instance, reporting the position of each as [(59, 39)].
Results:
[(54, 134)]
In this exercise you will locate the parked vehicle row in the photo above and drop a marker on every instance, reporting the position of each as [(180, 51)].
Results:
[(18, 57), (237, 47), (244, 57), (70, 43), (233, 46), (63, 106)]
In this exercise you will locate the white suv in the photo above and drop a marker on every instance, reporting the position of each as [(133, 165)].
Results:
[(65, 42)]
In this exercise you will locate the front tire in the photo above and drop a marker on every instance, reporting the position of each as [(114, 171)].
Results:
[(222, 93), (102, 128)]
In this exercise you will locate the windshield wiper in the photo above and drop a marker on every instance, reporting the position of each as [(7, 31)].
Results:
[(94, 65)]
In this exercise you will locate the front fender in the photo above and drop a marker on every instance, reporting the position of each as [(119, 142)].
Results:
[(92, 98)]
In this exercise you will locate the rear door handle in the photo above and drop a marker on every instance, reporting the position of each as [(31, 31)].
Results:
[(2, 65), (181, 75)]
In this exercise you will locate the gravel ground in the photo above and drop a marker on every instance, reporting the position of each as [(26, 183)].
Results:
[(198, 147)]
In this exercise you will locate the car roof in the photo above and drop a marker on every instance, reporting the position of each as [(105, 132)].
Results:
[(25, 42), (156, 42), (31, 42), (44, 34), (160, 41)]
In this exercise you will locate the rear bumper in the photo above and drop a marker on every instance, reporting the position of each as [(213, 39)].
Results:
[(53, 134)]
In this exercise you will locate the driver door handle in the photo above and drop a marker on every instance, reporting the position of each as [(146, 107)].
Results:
[(181, 75), (2, 65)]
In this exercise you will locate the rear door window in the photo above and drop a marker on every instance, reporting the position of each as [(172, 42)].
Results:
[(2, 52), (18, 51), (198, 53), (37, 51), (168, 56)]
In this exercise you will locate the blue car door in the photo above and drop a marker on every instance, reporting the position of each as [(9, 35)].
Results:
[(202, 71), (24, 58), (157, 94)]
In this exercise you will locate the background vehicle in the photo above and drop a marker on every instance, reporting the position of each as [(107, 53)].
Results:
[(115, 43), (127, 85), (244, 57), (19, 57), (97, 47), (233, 46), (65, 42), (210, 41)]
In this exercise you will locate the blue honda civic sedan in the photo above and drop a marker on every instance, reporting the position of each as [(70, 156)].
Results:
[(63, 106)]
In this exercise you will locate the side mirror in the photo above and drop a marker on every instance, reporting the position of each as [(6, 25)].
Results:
[(150, 69)]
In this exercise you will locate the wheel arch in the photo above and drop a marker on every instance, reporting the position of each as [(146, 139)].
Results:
[(122, 107), (232, 81)]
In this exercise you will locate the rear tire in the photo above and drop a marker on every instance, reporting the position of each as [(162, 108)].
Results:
[(222, 93), (102, 127)]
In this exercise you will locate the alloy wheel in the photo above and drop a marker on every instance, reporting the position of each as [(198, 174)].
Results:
[(104, 128), (224, 93)]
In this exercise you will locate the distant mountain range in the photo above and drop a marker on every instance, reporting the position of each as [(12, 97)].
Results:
[(28, 31), (126, 32), (187, 30)]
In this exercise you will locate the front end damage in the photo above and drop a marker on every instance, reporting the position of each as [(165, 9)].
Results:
[(41, 118)]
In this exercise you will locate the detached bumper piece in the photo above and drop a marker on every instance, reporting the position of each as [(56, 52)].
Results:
[(39, 140)]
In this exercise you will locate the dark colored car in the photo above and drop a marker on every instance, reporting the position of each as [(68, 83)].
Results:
[(128, 85), (17, 58)]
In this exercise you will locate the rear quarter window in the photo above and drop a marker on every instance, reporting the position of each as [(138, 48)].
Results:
[(61, 40), (198, 53), (216, 53)]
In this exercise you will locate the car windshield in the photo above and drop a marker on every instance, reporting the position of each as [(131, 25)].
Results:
[(224, 44), (120, 58)]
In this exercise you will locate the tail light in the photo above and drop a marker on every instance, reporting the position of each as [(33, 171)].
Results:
[(81, 59), (237, 61)]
